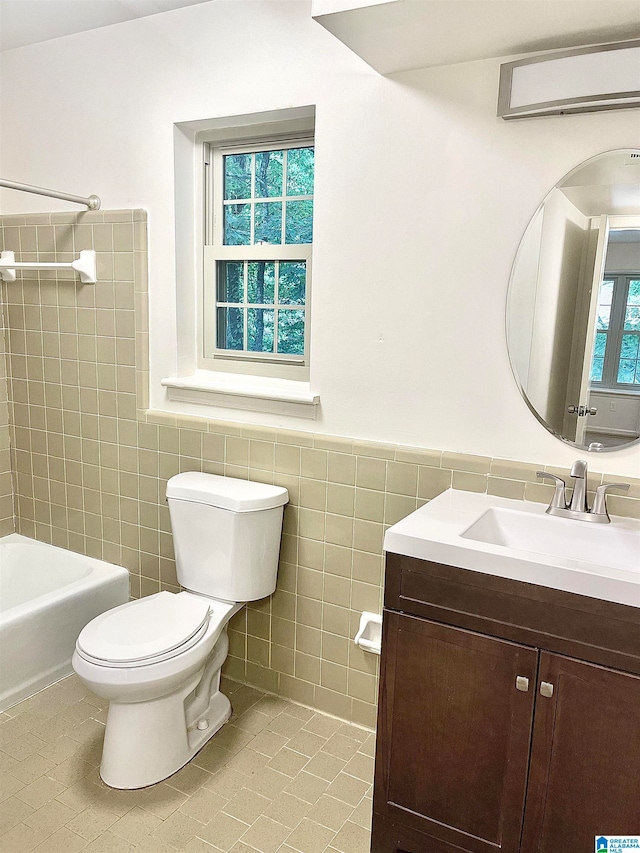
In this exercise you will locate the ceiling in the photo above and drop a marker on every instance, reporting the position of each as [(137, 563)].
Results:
[(24, 22), (402, 35), (390, 35)]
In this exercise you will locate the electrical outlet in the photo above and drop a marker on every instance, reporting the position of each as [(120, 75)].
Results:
[(613, 406)]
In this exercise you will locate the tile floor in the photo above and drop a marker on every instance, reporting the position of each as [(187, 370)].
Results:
[(277, 777)]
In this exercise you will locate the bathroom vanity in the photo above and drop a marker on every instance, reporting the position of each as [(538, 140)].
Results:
[(509, 710)]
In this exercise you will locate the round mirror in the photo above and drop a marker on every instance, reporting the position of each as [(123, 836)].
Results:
[(573, 306)]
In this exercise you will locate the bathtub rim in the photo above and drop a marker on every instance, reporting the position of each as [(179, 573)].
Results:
[(105, 582), (101, 574)]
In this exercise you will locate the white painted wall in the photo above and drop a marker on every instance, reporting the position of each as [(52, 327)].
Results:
[(616, 413), (408, 337), (623, 257), (521, 313)]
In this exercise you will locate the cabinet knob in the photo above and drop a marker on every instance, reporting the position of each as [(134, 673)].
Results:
[(546, 689), (522, 683)]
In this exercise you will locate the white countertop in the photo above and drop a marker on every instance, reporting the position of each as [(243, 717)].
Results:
[(436, 532)]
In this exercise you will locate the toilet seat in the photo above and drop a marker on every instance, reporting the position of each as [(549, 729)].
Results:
[(148, 630)]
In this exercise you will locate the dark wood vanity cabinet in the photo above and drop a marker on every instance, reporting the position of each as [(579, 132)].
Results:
[(509, 716)]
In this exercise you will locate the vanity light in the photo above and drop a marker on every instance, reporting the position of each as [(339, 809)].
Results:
[(605, 77)]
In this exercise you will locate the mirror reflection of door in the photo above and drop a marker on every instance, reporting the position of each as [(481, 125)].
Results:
[(578, 405), (573, 308)]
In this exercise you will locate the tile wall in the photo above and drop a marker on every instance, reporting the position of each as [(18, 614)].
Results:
[(90, 465), (6, 488)]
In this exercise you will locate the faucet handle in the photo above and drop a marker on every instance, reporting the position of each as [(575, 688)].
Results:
[(558, 500), (600, 501)]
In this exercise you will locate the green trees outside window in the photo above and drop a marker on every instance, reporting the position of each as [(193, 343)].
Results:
[(616, 358), (267, 201)]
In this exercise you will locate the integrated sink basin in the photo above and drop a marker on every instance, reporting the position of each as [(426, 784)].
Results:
[(518, 540), (544, 534)]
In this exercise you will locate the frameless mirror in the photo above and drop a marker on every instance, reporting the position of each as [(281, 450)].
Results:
[(573, 306)]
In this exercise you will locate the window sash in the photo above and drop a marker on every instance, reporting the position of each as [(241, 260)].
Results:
[(614, 333), (215, 251), (214, 254), (214, 160)]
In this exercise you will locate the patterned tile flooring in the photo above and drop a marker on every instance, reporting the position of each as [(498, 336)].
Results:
[(277, 777)]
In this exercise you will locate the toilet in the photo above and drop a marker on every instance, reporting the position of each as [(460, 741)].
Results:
[(158, 659)]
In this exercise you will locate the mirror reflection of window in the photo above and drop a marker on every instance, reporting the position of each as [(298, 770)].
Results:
[(616, 359)]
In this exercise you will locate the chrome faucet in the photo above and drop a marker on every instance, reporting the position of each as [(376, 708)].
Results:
[(579, 495), (578, 508)]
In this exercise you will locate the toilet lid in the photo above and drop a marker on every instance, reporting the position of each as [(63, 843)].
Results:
[(146, 628)]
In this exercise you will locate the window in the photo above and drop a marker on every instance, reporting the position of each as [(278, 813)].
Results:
[(243, 226), (616, 360), (257, 257)]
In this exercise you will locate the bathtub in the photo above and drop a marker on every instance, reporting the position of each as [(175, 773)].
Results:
[(47, 595)]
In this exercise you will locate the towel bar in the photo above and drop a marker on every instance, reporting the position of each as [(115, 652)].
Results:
[(85, 265)]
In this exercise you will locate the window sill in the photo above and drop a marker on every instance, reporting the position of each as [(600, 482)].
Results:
[(616, 392), (252, 393)]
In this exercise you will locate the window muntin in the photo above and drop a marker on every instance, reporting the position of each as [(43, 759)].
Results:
[(260, 306), (268, 197), (616, 359), (258, 257)]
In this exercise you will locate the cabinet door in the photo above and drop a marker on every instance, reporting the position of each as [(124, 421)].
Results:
[(585, 757), (453, 737)]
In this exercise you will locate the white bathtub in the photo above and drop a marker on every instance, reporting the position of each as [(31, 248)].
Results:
[(47, 595)]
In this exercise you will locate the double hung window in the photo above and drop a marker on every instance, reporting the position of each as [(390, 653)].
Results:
[(257, 257), (616, 360)]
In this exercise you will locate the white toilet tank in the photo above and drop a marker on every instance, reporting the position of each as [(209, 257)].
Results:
[(226, 534)]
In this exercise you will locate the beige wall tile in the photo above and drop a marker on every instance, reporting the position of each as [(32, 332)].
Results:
[(312, 524), (397, 507), (369, 504), (366, 596), (506, 488), (402, 478), (367, 536), (371, 473), (433, 481), (307, 668), (368, 567), (466, 462), (338, 560), (340, 499), (90, 467), (514, 470), (311, 553), (314, 463), (310, 583), (308, 640), (262, 455), (363, 686), (333, 676), (237, 451), (335, 620), (341, 468), (309, 612), (335, 648), (469, 482), (337, 590), (339, 530), (313, 494), (287, 459)]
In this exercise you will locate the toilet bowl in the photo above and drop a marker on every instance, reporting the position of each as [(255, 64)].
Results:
[(158, 659), (164, 706)]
